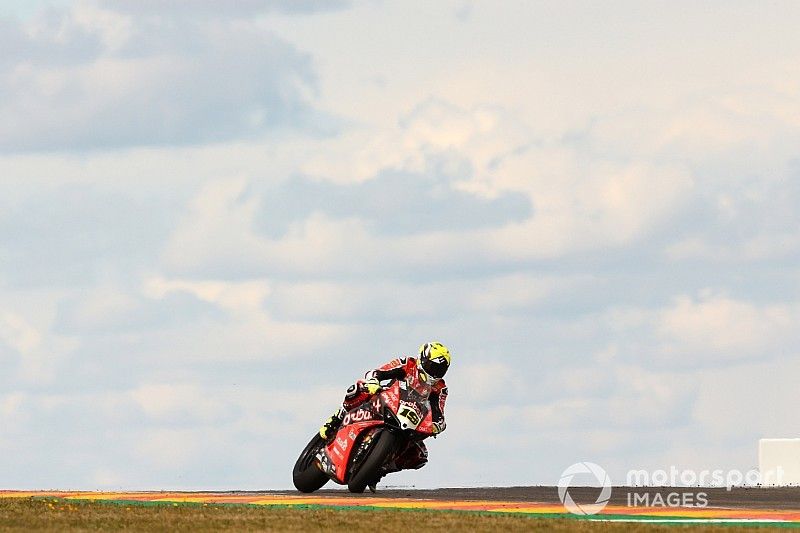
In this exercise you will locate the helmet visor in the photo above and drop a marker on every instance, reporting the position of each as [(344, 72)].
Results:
[(435, 368)]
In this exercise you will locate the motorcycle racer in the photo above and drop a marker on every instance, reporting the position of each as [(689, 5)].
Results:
[(430, 366)]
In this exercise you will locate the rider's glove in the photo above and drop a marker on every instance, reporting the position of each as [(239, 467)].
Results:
[(372, 385), (438, 427)]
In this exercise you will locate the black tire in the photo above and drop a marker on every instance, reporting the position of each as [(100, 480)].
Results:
[(376, 457), (306, 475)]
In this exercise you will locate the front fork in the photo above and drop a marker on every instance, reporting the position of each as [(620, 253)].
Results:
[(363, 447)]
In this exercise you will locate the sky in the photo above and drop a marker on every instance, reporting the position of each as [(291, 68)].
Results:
[(213, 218)]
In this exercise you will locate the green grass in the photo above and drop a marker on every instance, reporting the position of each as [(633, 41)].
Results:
[(48, 514)]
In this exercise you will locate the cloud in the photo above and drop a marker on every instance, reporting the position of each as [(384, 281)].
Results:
[(31, 355), (235, 298), (391, 203), (54, 40), (180, 404), (194, 321), (377, 301), (580, 200), (17, 333), (221, 223), (110, 80), (162, 430), (106, 310), (747, 220), (736, 126), (207, 8), (497, 205), (762, 404), (435, 135), (73, 235), (717, 327), (603, 411), (710, 329)]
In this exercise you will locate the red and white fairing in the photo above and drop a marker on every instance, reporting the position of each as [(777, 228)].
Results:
[(406, 400)]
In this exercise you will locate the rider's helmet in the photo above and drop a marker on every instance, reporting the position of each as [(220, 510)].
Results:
[(434, 359)]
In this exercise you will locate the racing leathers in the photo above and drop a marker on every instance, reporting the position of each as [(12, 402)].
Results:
[(416, 453)]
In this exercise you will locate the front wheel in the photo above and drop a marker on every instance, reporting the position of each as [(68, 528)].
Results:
[(306, 476), (376, 457)]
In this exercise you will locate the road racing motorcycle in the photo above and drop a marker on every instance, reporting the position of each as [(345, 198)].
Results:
[(372, 436)]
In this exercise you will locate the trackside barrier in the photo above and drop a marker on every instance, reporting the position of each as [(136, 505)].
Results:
[(779, 461)]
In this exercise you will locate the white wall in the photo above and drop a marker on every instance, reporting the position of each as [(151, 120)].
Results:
[(779, 461)]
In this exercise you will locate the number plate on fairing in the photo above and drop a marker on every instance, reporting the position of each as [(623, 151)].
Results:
[(408, 416)]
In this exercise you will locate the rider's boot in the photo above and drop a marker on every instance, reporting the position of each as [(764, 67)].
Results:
[(330, 426)]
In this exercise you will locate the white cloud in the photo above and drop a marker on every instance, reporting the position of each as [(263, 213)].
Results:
[(578, 206), (235, 297), (11, 412), (171, 448), (582, 205), (766, 246), (580, 201), (491, 380), (124, 80), (611, 397), (717, 327), (242, 8), (17, 333), (744, 403), (433, 128), (398, 301), (35, 355), (177, 402)]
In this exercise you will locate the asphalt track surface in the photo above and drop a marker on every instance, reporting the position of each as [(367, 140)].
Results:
[(737, 497), (779, 498), (743, 506)]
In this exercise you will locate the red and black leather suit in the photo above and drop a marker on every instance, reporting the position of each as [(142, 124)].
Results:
[(416, 454)]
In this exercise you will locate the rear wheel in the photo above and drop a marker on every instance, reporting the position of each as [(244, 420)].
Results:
[(375, 459), (306, 476)]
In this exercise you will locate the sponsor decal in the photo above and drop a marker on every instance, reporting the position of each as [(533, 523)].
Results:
[(325, 463), (358, 416), (390, 395)]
